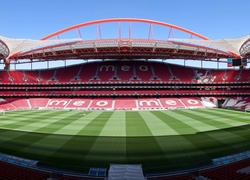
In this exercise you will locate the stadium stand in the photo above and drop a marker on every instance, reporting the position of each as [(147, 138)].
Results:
[(78, 103), (106, 72), (114, 77), (231, 75), (38, 102), (172, 103), (22, 171), (143, 71), (126, 85), (67, 74), (31, 76), (15, 172), (242, 104), (124, 92), (192, 102), (219, 75), (4, 77), (210, 102), (60, 92), (187, 92), (244, 76), (103, 92), (125, 103), (89, 73), (203, 76), (165, 92), (161, 72), (232, 171), (149, 103), (102, 103), (56, 103), (125, 71), (237, 102), (179, 75), (19, 103), (47, 76), (8, 93), (16, 76), (5, 105), (146, 92)]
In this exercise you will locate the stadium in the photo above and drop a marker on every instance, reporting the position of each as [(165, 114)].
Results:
[(124, 111)]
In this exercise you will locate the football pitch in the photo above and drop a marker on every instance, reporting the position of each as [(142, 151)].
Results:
[(159, 140)]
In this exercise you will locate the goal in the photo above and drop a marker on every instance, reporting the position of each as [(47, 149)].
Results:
[(247, 109), (2, 112)]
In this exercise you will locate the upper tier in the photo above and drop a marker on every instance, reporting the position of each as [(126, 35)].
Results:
[(125, 71)]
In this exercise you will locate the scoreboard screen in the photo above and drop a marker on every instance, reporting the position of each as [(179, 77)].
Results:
[(236, 62)]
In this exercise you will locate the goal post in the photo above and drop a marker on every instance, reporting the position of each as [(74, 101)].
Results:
[(247, 109), (2, 112)]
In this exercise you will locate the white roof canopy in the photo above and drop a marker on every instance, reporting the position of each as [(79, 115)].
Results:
[(232, 45), (22, 45), (10, 46)]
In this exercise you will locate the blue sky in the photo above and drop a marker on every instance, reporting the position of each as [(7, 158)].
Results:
[(215, 19)]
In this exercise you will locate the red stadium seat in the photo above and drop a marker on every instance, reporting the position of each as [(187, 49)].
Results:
[(125, 103)]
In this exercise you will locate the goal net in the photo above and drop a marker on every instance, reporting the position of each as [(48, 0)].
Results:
[(2, 112), (247, 109)]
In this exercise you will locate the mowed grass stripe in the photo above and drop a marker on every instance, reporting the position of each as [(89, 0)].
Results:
[(44, 140), (40, 125), (51, 122), (241, 131), (76, 126), (156, 125), (211, 147), (135, 125), (208, 124), (214, 120), (180, 152), (231, 139), (218, 119), (18, 113), (174, 123), (141, 146), (58, 125), (224, 142), (33, 118), (61, 121), (94, 149), (227, 136), (172, 145), (116, 125), (95, 127), (8, 135), (18, 141), (18, 116), (190, 153), (237, 116), (161, 152), (214, 145), (231, 112), (105, 147), (45, 145), (190, 121)]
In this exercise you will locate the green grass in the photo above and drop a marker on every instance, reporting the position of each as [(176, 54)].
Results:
[(159, 140)]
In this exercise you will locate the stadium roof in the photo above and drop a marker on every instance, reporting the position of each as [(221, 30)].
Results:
[(197, 47)]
